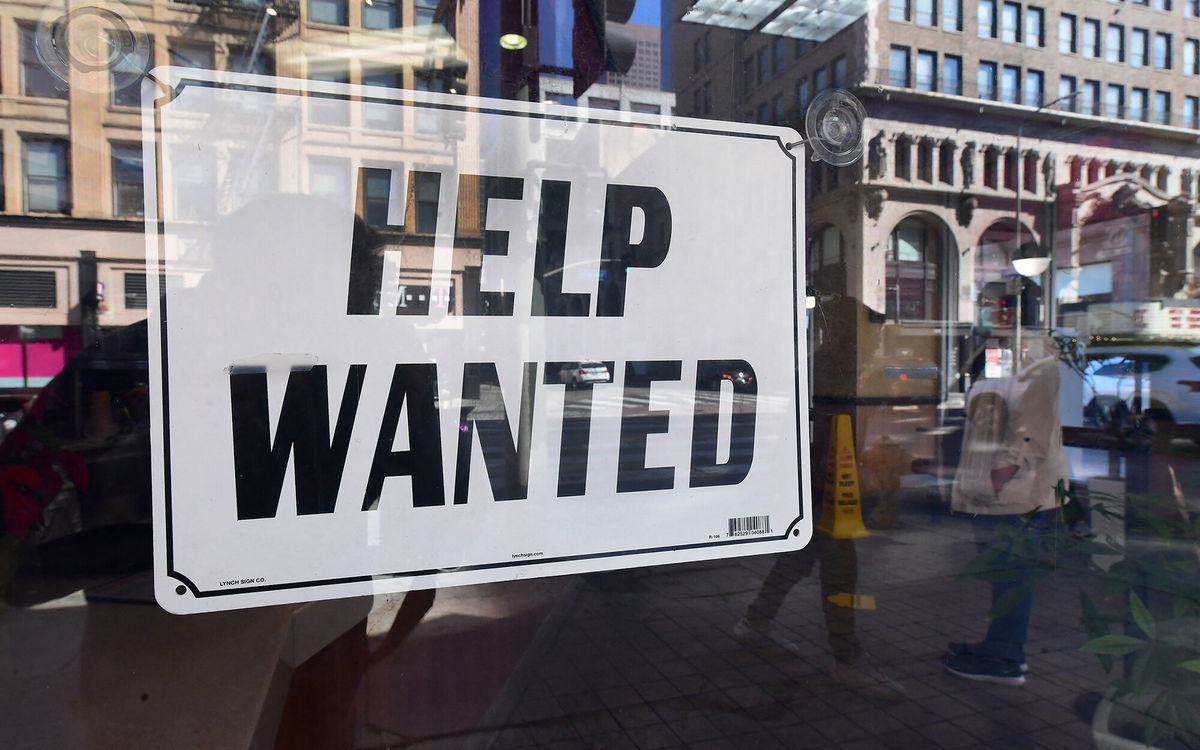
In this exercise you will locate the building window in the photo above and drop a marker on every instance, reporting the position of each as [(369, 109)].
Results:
[(328, 11), (952, 74), (127, 180), (1162, 51), (1067, 43), (22, 288), (1010, 22), (1091, 97), (1029, 171), (1191, 8), (839, 72), (240, 62), (778, 55), (36, 78), (1114, 43), (747, 75), (1010, 84), (820, 81), (424, 11), (324, 110), (380, 14), (900, 10), (925, 160), (991, 169), (780, 112), (926, 13), (1162, 108), (1139, 47), (904, 158), (952, 15), (190, 54), (764, 65), (378, 114), (898, 73), (1066, 86), (135, 294), (926, 70), (1139, 108), (700, 52), (802, 96), (1191, 57), (1191, 112), (946, 162), (47, 182), (987, 80), (1091, 37), (1010, 169), (125, 79), (1163, 5), (986, 13), (764, 114), (1114, 100), (1035, 22), (913, 284), (1035, 87)]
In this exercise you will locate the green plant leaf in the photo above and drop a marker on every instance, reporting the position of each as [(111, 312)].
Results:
[(1116, 645), (1190, 664), (1141, 616)]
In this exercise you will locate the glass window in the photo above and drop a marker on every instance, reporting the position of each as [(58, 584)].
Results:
[(1191, 8), (839, 72), (328, 11), (1139, 47), (47, 179), (379, 14), (1191, 112), (987, 80), (191, 54), (926, 13), (779, 50), (926, 79), (764, 65), (1162, 50), (900, 10), (1066, 86), (952, 74), (1191, 57), (1090, 103), (1162, 108), (127, 180), (36, 78), (1010, 84), (898, 62), (1114, 45), (1035, 87), (802, 96), (1091, 37), (379, 114), (1163, 5), (324, 110), (1114, 100), (952, 15), (1010, 22), (424, 11), (263, 63), (1139, 104), (125, 78), (1035, 19), (986, 16), (1066, 34), (821, 80)]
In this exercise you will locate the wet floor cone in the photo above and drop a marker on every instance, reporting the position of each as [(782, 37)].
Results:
[(841, 509)]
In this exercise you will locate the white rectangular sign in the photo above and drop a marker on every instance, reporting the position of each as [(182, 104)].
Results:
[(404, 340)]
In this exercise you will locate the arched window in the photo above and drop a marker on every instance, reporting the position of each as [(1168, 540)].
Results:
[(914, 260)]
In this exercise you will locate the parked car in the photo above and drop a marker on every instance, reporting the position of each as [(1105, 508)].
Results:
[(1151, 387), (576, 374)]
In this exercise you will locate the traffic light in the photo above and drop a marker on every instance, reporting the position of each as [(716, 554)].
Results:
[(600, 41)]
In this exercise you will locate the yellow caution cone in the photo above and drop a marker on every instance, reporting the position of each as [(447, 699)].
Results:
[(841, 508)]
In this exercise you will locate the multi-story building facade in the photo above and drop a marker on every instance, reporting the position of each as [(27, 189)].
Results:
[(1075, 119)]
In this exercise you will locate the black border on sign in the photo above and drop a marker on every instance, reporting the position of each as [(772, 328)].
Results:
[(801, 448)]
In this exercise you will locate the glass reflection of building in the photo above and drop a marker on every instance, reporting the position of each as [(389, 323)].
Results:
[(980, 115), (73, 204)]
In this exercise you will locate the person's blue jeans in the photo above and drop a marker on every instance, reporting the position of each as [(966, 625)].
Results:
[(1016, 542)]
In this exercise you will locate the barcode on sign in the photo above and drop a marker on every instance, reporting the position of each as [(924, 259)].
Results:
[(749, 525)]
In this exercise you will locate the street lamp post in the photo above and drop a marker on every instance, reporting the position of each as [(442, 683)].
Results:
[(1031, 270)]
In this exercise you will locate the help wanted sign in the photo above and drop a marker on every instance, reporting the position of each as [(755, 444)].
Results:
[(404, 340)]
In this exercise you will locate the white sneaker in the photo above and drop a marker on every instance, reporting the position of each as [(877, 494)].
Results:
[(763, 635), (866, 679)]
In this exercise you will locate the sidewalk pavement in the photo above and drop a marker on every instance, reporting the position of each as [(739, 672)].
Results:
[(646, 659)]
